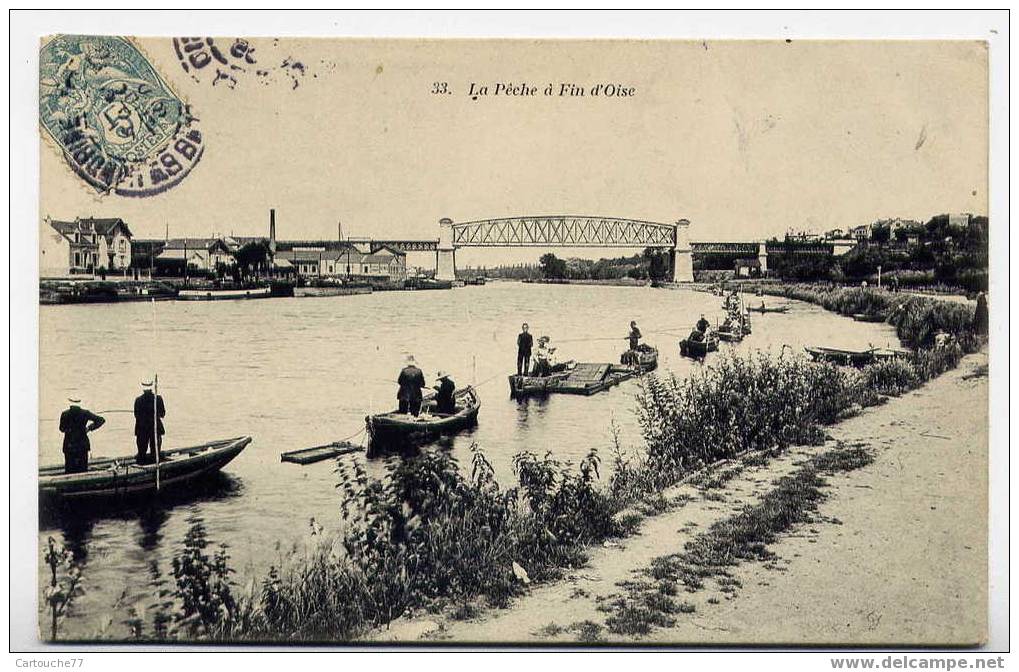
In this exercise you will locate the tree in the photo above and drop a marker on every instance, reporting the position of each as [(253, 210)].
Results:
[(252, 256), (552, 266)]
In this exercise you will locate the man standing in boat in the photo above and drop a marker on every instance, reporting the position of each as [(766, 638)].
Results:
[(524, 343), (703, 324), (411, 381), (634, 335), (148, 424), (76, 423)]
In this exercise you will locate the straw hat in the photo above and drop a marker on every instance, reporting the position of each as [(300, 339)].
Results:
[(442, 374)]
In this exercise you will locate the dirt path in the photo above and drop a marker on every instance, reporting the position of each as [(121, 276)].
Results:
[(906, 565)]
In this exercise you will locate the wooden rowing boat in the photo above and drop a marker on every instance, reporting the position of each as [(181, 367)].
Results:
[(765, 309), (395, 430), (644, 358), (114, 477), (866, 317), (732, 335), (698, 349), (852, 357)]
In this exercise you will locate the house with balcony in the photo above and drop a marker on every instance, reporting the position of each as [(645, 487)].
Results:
[(71, 248)]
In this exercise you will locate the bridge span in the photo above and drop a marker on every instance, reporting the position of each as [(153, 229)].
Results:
[(570, 231)]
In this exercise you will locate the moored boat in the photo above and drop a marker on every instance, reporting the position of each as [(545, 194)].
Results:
[(644, 358), (123, 477), (698, 349), (224, 294), (395, 430), (330, 290), (523, 386), (767, 309), (853, 357), (868, 317), (733, 334)]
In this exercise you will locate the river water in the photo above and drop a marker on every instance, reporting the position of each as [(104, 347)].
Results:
[(294, 373)]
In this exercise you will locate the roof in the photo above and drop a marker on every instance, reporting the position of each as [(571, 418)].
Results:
[(68, 229), (195, 244), (377, 258), (106, 226)]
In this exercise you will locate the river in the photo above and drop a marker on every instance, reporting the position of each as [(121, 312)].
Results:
[(294, 373)]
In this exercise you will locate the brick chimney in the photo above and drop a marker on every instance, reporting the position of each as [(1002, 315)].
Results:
[(272, 230)]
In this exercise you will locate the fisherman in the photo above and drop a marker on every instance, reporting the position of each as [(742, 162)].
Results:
[(148, 424), (703, 324), (445, 394), (76, 423), (545, 358), (411, 381), (634, 335), (524, 343), (696, 335)]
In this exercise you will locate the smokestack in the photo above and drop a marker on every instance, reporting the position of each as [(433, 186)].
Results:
[(272, 230)]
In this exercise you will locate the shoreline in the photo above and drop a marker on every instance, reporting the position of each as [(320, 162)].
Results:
[(930, 566)]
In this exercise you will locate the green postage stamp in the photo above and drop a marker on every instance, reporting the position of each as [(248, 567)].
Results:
[(119, 125)]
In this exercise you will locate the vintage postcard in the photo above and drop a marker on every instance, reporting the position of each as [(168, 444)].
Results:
[(552, 342)]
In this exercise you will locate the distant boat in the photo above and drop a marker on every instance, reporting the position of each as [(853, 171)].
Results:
[(765, 309), (395, 430), (427, 283), (853, 357), (734, 334), (224, 294), (124, 477), (331, 290), (866, 317)]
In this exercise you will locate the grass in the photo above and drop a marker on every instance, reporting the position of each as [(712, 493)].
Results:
[(917, 319), (430, 536), (743, 537)]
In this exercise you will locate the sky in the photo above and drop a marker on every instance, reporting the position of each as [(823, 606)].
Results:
[(744, 139)]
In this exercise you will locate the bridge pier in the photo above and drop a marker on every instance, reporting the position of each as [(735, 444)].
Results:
[(682, 254), (762, 258), (445, 259)]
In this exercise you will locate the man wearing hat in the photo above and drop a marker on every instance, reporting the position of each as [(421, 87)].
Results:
[(524, 343), (445, 394), (148, 424), (76, 423), (411, 381)]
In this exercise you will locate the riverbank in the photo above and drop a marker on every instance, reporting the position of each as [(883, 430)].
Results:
[(541, 518), (896, 553)]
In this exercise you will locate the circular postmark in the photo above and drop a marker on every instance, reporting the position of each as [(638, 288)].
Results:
[(117, 122), (225, 62)]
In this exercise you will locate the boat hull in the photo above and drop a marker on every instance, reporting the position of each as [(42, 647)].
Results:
[(301, 292), (523, 386), (398, 431), (642, 360), (857, 358), (224, 294), (697, 349), (111, 478)]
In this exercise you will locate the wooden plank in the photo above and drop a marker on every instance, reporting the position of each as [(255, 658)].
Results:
[(319, 453)]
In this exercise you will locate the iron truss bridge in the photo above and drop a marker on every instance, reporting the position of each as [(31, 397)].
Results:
[(748, 249), (405, 245), (563, 231)]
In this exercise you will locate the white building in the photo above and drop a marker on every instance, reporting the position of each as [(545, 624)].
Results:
[(83, 246)]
